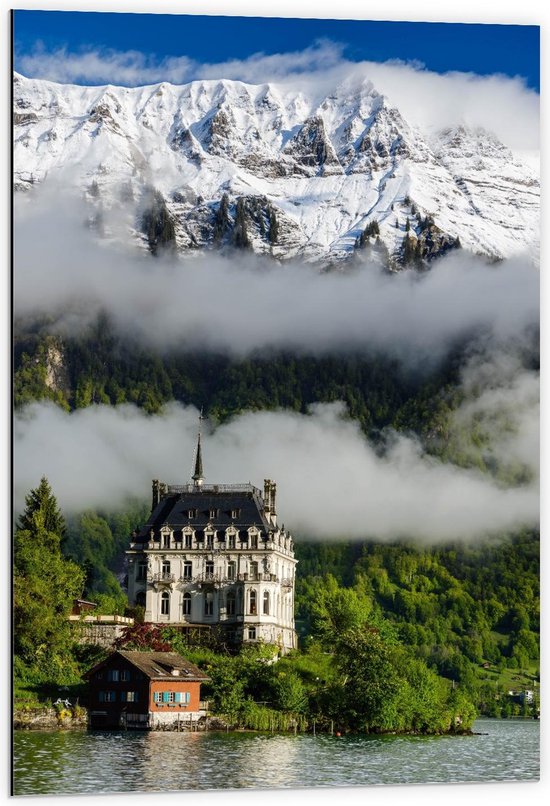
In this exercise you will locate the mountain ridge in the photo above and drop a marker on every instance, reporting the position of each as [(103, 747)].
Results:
[(325, 166)]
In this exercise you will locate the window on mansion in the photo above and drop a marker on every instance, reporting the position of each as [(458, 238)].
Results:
[(186, 606), (208, 604)]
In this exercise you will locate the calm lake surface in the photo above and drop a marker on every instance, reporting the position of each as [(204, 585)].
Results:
[(102, 762)]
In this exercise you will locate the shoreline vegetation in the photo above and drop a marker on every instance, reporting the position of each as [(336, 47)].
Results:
[(367, 662)]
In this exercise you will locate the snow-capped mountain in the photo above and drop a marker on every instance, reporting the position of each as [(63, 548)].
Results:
[(290, 174)]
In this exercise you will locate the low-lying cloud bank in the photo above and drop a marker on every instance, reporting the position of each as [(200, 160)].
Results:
[(331, 482), (244, 303)]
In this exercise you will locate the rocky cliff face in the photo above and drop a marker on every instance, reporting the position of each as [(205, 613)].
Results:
[(322, 169)]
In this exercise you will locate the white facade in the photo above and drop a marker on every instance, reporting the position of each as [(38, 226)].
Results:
[(216, 570)]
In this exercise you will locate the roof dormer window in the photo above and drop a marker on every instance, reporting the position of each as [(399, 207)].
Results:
[(235, 513), (192, 513), (214, 513)]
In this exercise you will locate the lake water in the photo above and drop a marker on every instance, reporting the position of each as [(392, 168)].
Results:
[(101, 762)]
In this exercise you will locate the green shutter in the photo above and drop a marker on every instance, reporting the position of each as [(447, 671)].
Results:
[(166, 696), (178, 696)]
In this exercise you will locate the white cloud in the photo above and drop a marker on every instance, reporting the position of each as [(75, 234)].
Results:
[(216, 303), (331, 482), (498, 103)]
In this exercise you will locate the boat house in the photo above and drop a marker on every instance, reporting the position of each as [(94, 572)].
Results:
[(145, 690)]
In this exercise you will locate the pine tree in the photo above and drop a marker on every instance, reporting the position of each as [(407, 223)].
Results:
[(158, 226), (44, 586), (418, 254), (240, 235), (41, 510), (273, 232), (408, 252), (221, 219)]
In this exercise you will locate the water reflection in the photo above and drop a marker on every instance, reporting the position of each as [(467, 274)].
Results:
[(100, 762)]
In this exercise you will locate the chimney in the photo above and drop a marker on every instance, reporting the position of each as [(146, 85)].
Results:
[(267, 497), (156, 493), (273, 494)]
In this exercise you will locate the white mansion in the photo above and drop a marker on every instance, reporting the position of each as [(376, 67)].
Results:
[(214, 556)]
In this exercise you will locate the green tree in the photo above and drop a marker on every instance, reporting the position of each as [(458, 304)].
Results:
[(44, 586), (41, 511), (335, 610), (370, 680)]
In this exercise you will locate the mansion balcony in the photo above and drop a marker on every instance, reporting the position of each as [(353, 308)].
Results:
[(163, 579)]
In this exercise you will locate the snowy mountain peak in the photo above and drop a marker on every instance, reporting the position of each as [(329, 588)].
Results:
[(322, 168)]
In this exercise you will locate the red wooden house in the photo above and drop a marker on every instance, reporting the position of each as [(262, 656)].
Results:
[(144, 690)]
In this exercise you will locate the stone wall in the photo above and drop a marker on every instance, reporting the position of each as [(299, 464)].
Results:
[(103, 635), (49, 718)]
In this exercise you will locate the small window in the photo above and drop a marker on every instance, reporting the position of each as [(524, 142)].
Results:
[(209, 568), (107, 696), (188, 540), (113, 675), (182, 697), (235, 513), (186, 606), (214, 513), (166, 541), (125, 675), (253, 603), (165, 604), (266, 603), (231, 570), (158, 696), (231, 603), (208, 604), (187, 569), (142, 570), (129, 696), (209, 541), (252, 633), (166, 568), (192, 513), (231, 541)]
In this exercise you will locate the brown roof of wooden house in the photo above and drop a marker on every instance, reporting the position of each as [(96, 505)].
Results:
[(156, 665)]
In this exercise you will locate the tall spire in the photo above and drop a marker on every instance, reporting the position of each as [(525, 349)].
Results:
[(198, 476)]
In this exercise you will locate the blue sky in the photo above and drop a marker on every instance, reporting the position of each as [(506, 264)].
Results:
[(510, 50)]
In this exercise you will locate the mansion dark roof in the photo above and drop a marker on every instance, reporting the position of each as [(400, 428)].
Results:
[(218, 505), (155, 665)]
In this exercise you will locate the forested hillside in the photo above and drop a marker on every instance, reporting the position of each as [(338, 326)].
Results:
[(98, 367), (468, 610)]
